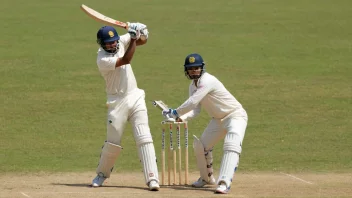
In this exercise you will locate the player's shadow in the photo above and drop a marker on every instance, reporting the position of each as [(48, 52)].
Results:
[(105, 186), (187, 187), (174, 187)]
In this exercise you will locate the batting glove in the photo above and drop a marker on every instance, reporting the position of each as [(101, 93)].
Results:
[(145, 33), (135, 34), (136, 26), (171, 113)]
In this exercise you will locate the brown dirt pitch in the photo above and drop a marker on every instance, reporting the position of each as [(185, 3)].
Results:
[(74, 185)]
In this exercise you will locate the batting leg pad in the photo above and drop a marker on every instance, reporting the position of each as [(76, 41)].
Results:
[(146, 151), (201, 159), (148, 160), (229, 163), (108, 156)]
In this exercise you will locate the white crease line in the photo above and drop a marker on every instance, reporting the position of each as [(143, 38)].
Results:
[(24, 194), (297, 178)]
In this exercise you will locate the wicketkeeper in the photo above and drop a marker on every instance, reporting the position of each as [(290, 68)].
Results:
[(125, 102), (229, 121)]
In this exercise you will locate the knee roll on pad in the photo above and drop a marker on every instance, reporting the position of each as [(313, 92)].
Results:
[(142, 134), (108, 156), (232, 143), (148, 160), (232, 150)]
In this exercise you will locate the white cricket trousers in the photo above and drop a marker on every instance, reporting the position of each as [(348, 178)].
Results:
[(130, 108), (217, 130)]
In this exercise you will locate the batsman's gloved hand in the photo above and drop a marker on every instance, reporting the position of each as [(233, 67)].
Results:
[(170, 113), (145, 33), (135, 34), (136, 26)]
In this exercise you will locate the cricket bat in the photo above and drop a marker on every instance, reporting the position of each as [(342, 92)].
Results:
[(102, 18), (160, 104)]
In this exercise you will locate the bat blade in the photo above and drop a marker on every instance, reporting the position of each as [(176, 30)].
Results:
[(160, 104), (102, 18)]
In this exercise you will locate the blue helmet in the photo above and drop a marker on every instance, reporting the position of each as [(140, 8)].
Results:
[(194, 60), (107, 34)]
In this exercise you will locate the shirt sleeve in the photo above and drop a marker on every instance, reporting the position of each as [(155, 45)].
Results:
[(191, 114), (194, 112), (192, 102), (107, 63), (125, 40)]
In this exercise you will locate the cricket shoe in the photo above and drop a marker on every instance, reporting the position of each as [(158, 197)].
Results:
[(98, 180), (222, 188), (154, 186), (201, 182)]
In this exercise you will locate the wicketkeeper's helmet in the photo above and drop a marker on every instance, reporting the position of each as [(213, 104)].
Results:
[(194, 60), (107, 34)]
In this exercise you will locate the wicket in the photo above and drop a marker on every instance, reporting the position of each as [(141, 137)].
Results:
[(172, 153)]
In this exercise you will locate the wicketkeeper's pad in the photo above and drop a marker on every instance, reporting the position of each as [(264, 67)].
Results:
[(200, 156)]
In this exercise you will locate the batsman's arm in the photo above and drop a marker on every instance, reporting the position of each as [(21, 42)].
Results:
[(127, 57), (141, 42)]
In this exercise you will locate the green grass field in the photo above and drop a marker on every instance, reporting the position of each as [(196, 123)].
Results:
[(287, 62)]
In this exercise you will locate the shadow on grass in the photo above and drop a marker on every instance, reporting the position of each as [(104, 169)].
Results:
[(187, 187), (174, 187), (105, 186)]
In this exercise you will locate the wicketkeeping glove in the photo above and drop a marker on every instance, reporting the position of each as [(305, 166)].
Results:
[(171, 113)]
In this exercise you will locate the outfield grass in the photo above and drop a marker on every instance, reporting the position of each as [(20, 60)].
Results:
[(287, 62)]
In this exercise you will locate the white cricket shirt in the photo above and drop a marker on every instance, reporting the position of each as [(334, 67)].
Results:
[(118, 80), (213, 96)]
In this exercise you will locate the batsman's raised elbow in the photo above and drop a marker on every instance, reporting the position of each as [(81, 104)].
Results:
[(141, 42)]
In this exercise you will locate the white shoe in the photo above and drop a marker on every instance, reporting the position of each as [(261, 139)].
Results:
[(154, 186), (200, 182), (222, 188), (98, 180)]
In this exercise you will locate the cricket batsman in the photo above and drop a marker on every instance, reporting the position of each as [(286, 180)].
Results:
[(125, 102), (228, 122)]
